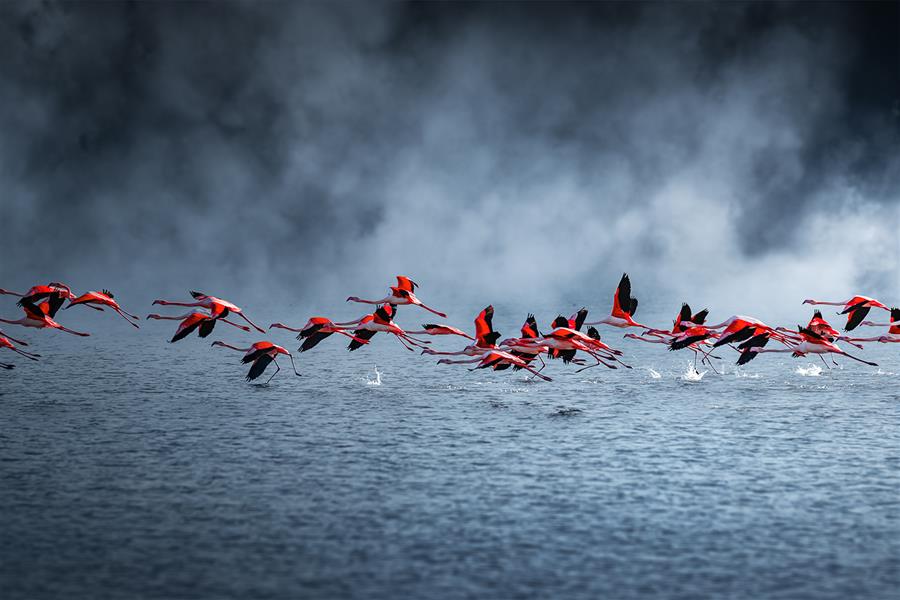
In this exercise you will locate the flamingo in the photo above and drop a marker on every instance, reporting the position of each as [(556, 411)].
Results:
[(813, 343), (193, 320), (856, 309), (485, 336), (497, 360), (739, 328), (624, 307), (562, 341), (6, 341), (893, 334), (522, 347), (217, 307), (316, 330), (381, 320), (104, 298), (819, 325), (261, 354), (402, 293), (432, 329), (39, 317), (54, 292)]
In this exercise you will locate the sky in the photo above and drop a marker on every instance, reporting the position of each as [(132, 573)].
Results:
[(738, 156)]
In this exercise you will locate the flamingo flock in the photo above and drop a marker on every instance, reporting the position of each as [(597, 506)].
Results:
[(564, 340)]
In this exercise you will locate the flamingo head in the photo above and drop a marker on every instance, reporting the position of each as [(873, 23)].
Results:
[(810, 301), (217, 343)]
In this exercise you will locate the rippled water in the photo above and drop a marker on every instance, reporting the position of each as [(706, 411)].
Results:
[(134, 468)]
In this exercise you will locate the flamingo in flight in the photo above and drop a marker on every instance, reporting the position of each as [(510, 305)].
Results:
[(261, 354), (497, 360), (54, 292), (40, 317), (485, 336), (217, 307), (523, 347), (433, 329), (813, 343), (101, 299), (7, 341), (856, 309), (192, 321), (381, 320), (574, 322), (893, 334), (316, 330), (401, 294), (624, 307)]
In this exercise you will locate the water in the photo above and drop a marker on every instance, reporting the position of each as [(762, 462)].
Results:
[(132, 468)]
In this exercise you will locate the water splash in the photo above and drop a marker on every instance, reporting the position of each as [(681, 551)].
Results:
[(653, 373), (810, 370), (692, 374), (377, 380)]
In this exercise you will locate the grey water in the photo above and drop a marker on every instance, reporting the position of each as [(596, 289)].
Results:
[(133, 468)]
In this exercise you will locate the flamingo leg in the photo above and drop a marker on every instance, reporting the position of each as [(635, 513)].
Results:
[(865, 362), (431, 310), (7, 366), (9, 293), (26, 354), (277, 368), (294, 366), (823, 362), (536, 373), (252, 324), (122, 313), (73, 332), (19, 342), (241, 327)]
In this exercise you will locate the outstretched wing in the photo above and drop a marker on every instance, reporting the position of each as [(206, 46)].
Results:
[(700, 317), (259, 366), (54, 303), (580, 316), (362, 334), (856, 317), (312, 339), (406, 284), (622, 299), (484, 323), (206, 327)]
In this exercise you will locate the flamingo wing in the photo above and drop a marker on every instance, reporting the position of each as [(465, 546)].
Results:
[(362, 334), (406, 284), (385, 312), (313, 339), (700, 317), (187, 327), (206, 327), (484, 323), (31, 310), (259, 366), (580, 316), (856, 317), (622, 301)]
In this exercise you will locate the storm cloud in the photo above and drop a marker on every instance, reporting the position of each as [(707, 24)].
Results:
[(731, 153)]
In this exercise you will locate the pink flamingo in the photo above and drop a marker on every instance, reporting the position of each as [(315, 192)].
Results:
[(261, 354), (402, 293), (217, 307)]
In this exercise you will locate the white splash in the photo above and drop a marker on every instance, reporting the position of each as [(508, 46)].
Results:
[(377, 380), (653, 374), (692, 374), (809, 371), (880, 372)]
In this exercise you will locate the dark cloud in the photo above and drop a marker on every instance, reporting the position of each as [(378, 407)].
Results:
[(321, 148)]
